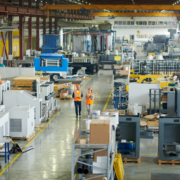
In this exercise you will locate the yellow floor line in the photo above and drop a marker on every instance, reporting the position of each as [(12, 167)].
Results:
[(11, 162), (87, 81), (108, 100)]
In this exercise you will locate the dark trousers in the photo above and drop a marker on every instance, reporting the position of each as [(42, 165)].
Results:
[(77, 104)]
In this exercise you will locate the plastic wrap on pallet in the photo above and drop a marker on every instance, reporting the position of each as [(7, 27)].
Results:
[(134, 109)]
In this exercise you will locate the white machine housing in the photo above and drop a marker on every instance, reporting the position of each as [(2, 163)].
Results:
[(2, 108), (45, 93), (4, 125), (52, 94), (2, 89), (7, 85), (21, 121), (19, 97)]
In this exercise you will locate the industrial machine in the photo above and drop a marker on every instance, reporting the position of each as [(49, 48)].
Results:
[(169, 142), (21, 120), (51, 43), (129, 145), (88, 62), (53, 102), (7, 85), (18, 97), (52, 64), (4, 125), (2, 89)]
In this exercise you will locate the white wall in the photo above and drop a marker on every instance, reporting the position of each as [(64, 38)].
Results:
[(127, 30)]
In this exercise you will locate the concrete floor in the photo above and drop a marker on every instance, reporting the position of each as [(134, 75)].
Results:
[(51, 157)]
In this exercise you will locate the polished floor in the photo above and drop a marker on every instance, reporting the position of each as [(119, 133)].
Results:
[(51, 157)]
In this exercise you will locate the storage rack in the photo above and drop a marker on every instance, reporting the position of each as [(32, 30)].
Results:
[(156, 66), (127, 53), (169, 135), (110, 173)]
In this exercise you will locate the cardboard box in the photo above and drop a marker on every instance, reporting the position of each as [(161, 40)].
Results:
[(166, 88), (100, 131), (100, 153), (164, 97), (63, 94), (154, 123), (125, 72), (98, 178), (82, 141), (143, 123)]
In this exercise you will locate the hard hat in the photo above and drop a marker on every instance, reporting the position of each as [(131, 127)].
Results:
[(1, 82), (77, 85), (89, 88)]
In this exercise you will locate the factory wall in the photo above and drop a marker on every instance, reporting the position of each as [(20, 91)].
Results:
[(142, 33)]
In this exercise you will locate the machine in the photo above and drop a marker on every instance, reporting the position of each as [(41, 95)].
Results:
[(4, 125), (45, 94), (7, 85), (2, 89), (21, 120), (52, 64), (18, 97)]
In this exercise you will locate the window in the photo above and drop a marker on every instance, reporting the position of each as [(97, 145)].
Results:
[(128, 23), (140, 22), (124, 22), (132, 22), (137, 22), (154, 22), (149, 23), (160, 22), (169, 23), (115, 22), (165, 23), (173, 23), (144, 23), (120, 22)]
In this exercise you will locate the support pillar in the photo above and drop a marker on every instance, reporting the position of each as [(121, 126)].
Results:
[(55, 24), (30, 33), (30, 3), (21, 2), (50, 25), (21, 37), (37, 33), (44, 25)]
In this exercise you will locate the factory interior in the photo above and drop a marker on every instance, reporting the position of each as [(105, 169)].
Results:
[(89, 90)]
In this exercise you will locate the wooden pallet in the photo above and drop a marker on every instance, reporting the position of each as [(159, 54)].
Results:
[(172, 162), (66, 98), (155, 131), (57, 109), (40, 126), (45, 120), (25, 138), (125, 160), (2, 147)]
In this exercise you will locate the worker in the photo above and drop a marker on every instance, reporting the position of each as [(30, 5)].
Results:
[(1, 64), (135, 54), (89, 101), (77, 95)]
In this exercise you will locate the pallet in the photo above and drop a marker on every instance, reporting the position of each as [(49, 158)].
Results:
[(45, 120), (172, 162), (57, 109), (125, 160), (65, 98), (2, 147), (155, 131), (25, 138), (40, 126)]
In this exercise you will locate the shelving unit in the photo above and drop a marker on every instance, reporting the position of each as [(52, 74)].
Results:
[(127, 53), (89, 149)]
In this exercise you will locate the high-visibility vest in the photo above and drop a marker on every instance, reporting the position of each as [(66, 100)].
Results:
[(77, 95), (89, 101)]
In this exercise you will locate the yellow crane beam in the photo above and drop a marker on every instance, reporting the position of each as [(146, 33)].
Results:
[(154, 14), (112, 7)]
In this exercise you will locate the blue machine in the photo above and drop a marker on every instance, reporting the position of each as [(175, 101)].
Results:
[(126, 147), (51, 43), (52, 64)]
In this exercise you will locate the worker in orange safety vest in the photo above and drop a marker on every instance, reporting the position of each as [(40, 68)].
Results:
[(89, 101), (77, 95)]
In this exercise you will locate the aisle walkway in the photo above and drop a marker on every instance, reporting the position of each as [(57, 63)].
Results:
[(51, 157)]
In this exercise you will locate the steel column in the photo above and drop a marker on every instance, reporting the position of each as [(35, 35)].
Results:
[(30, 33), (55, 24), (50, 25), (37, 4), (37, 33), (44, 26), (21, 3), (21, 37), (30, 3)]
